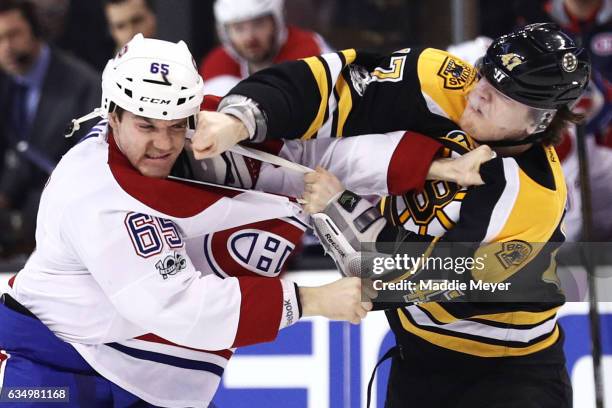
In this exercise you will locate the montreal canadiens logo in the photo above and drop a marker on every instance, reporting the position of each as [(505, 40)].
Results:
[(261, 252), (601, 44)]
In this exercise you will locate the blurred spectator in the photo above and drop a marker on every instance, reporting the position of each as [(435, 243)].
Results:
[(590, 22), (126, 18), (254, 36), (52, 15), (380, 25), (41, 90), (81, 17)]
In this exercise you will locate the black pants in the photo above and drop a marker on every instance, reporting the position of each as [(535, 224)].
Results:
[(491, 384)]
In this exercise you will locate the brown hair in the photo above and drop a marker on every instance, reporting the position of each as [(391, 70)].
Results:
[(149, 3), (119, 112), (27, 10)]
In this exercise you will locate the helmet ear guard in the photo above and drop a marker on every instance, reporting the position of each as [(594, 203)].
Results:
[(151, 78), (541, 119)]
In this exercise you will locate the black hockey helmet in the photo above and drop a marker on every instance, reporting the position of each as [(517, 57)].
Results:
[(538, 65)]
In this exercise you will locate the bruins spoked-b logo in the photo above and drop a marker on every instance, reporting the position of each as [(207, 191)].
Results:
[(171, 265), (570, 62), (456, 73), (514, 253)]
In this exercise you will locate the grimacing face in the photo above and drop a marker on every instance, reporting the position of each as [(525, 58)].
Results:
[(151, 145), (18, 45), (253, 39), (128, 18), (491, 116)]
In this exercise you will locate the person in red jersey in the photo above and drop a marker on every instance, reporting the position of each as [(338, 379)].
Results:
[(254, 35)]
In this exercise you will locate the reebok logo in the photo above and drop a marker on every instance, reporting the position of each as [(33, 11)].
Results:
[(331, 242), (289, 312)]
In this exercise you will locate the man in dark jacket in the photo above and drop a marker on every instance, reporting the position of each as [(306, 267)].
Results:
[(41, 89)]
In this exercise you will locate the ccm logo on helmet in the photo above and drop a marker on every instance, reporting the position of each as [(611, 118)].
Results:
[(155, 100)]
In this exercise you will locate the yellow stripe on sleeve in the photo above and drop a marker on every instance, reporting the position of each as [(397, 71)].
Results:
[(320, 76), (345, 104), (349, 55)]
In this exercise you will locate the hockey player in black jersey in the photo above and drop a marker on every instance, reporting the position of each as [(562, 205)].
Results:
[(517, 101)]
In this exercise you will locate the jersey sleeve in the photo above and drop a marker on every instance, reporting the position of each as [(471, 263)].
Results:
[(352, 93), (339, 94), (142, 266), (375, 164)]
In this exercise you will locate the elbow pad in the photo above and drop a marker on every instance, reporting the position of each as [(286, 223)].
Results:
[(247, 111)]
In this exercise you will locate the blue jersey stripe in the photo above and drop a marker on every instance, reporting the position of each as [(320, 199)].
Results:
[(168, 360)]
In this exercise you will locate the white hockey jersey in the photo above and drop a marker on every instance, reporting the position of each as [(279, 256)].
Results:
[(121, 273)]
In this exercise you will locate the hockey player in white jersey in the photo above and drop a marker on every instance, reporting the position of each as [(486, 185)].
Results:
[(114, 308)]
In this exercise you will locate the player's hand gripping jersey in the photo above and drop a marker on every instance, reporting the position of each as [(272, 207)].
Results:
[(143, 306), (423, 90)]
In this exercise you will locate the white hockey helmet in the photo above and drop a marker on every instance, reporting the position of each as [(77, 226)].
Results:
[(232, 11), (153, 78)]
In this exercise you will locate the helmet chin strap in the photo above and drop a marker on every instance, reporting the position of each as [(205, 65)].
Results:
[(76, 123)]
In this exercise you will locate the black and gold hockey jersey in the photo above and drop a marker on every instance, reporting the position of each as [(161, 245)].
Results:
[(517, 211)]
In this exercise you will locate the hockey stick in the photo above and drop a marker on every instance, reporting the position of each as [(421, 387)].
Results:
[(587, 235)]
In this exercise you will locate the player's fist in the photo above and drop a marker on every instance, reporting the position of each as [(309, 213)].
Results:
[(468, 166), (464, 170), (320, 187), (216, 133), (345, 299)]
